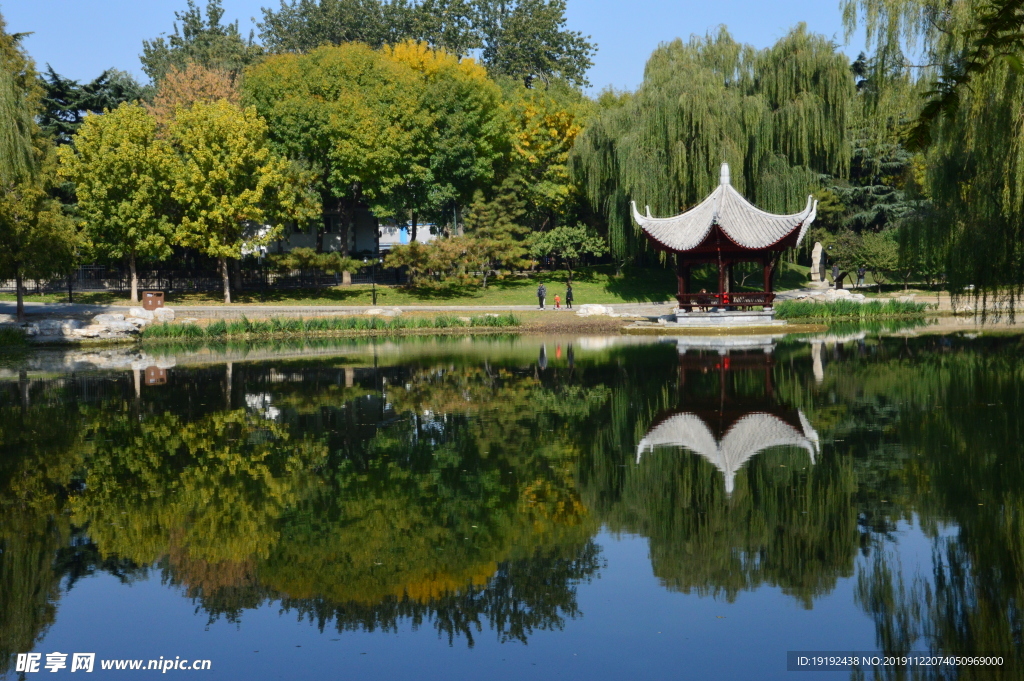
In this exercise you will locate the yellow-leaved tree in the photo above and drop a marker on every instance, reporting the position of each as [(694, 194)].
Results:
[(231, 192), (119, 171)]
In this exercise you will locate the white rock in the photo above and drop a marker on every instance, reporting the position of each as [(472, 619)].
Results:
[(164, 314), (8, 319), (51, 327), (104, 318), (591, 309), (140, 312), (91, 331), (31, 329), (121, 327), (374, 311), (137, 321)]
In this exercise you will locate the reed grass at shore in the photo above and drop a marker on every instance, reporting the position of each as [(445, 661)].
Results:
[(848, 309), (283, 327)]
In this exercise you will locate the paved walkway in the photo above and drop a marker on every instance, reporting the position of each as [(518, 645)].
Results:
[(254, 311)]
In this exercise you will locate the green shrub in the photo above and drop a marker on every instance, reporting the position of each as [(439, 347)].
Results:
[(12, 337)]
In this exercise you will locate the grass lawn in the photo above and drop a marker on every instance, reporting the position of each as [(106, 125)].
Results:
[(591, 285)]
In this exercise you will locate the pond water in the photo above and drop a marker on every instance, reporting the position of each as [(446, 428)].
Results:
[(517, 508)]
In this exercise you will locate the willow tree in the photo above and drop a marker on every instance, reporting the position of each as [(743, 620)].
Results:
[(19, 97), (971, 128), (778, 116)]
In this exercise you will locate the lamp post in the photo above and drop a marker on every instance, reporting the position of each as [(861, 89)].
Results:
[(373, 278)]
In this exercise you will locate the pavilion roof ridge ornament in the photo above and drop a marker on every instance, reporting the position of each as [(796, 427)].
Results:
[(744, 224)]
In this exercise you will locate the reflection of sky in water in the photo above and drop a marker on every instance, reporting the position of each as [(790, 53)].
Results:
[(630, 628)]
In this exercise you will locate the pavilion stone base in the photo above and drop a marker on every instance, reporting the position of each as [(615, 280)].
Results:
[(724, 318)]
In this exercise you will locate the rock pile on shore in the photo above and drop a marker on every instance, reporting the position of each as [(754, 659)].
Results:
[(107, 326)]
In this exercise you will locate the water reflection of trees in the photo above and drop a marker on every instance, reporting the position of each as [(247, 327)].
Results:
[(333, 491), (465, 494), (942, 450), (787, 523)]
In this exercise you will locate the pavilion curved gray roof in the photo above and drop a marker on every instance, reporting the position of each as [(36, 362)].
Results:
[(743, 223), (747, 437)]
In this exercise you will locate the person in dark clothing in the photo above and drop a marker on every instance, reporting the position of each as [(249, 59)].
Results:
[(861, 271), (568, 295), (542, 293), (835, 274)]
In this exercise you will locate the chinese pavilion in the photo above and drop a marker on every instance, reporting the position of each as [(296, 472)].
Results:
[(725, 229)]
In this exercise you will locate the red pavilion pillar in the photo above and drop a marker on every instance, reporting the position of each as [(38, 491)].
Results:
[(683, 283)]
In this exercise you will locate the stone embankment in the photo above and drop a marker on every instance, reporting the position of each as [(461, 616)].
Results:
[(108, 326)]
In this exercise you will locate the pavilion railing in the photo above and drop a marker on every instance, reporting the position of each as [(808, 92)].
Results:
[(708, 301)]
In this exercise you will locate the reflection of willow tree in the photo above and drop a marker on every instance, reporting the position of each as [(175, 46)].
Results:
[(950, 413), (40, 452), (787, 524)]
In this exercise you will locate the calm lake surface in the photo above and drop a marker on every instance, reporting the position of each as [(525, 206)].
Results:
[(517, 508)]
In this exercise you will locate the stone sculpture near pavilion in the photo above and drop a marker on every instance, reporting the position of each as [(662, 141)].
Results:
[(725, 229)]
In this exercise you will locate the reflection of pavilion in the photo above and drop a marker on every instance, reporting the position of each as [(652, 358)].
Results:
[(729, 429)]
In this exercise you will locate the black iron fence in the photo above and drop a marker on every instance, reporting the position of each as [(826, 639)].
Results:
[(94, 279)]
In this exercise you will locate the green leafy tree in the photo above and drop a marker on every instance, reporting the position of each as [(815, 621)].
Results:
[(36, 239), (545, 126), (304, 25), (881, 254), (119, 170), (207, 42), (527, 40), (466, 136), (353, 117), (449, 25), (568, 244), (230, 190)]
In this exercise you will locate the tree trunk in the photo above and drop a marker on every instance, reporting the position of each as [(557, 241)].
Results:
[(412, 231), (135, 279), (226, 279), (71, 286), (20, 292), (346, 214)]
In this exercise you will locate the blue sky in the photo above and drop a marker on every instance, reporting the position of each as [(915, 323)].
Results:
[(81, 38)]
